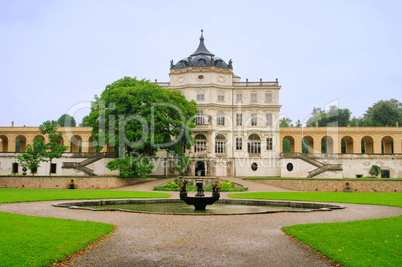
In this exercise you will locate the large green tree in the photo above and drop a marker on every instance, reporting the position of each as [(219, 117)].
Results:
[(41, 151), (333, 117), (52, 149), (137, 117), (383, 113), (285, 122), (33, 155), (66, 120)]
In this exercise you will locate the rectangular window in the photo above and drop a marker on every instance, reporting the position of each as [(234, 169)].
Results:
[(15, 167), (220, 118), (239, 143), (53, 168), (200, 96), (253, 119), (239, 119), (269, 143), (220, 147), (268, 97), (200, 147), (254, 147), (199, 119), (269, 119), (253, 97), (221, 98), (239, 98)]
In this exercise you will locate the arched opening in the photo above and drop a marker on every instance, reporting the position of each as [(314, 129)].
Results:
[(327, 144), (76, 144), (109, 149), (199, 168), (367, 145), (254, 144), (91, 148), (200, 144), (3, 143), (387, 145), (59, 141), (347, 145), (20, 143), (288, 144), (308, 144), (220, 144)]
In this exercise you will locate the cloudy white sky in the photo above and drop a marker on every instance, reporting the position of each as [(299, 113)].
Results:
[(56, 55)]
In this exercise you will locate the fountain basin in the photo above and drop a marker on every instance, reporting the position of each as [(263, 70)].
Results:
[(178, 207)]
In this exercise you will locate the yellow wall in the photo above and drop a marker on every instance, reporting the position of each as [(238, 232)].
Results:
[(392, 136)]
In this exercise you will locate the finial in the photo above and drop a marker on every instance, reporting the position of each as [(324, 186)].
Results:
[(202, 36)]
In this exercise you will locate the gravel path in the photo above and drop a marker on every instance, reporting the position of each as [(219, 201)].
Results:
[(169, 240)]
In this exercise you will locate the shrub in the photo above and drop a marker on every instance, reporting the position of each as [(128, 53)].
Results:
[(375, 170)]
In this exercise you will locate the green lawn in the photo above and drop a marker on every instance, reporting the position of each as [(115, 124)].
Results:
[(305, 178), (28, 195), (387, 199), (359, 243), (37, 241)]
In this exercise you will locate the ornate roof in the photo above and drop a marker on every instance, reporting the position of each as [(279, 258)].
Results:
[(201, 58)]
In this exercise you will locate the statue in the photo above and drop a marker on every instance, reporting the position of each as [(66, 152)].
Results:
[(171, 64), (216, 188), (230, 64), (212, 61), (182, 187), (189, 62)]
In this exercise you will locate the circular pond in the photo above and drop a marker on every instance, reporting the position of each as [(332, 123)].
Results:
[(178, 207)]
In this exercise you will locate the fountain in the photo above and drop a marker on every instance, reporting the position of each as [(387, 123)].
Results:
[(200, 201), (183, 205)]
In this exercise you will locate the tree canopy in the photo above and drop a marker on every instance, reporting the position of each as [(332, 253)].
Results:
[(333, 117), (66, 120), (52, 149), (41, 151), (33, 155), (137, 117), (285, 122), (383, 113)]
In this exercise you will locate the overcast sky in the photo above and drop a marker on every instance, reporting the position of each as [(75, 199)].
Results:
[(56, 55)]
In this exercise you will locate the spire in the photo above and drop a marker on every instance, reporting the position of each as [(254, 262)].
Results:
[(202, 50)]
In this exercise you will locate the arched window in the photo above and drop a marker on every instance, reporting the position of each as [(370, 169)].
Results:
[(220, 144), (200, 144), (254, 144)]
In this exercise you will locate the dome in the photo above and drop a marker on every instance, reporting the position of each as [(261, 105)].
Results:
[(201, 58)]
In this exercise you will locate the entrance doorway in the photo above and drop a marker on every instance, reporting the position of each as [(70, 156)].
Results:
[(199, 167)]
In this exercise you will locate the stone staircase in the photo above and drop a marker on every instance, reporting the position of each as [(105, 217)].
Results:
[(321, 167), (81, 166), (326, 167)]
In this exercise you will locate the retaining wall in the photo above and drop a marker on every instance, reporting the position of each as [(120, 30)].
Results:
[(46, 182), (328, 185)]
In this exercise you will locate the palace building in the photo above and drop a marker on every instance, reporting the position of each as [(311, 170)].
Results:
[(237, 133)]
